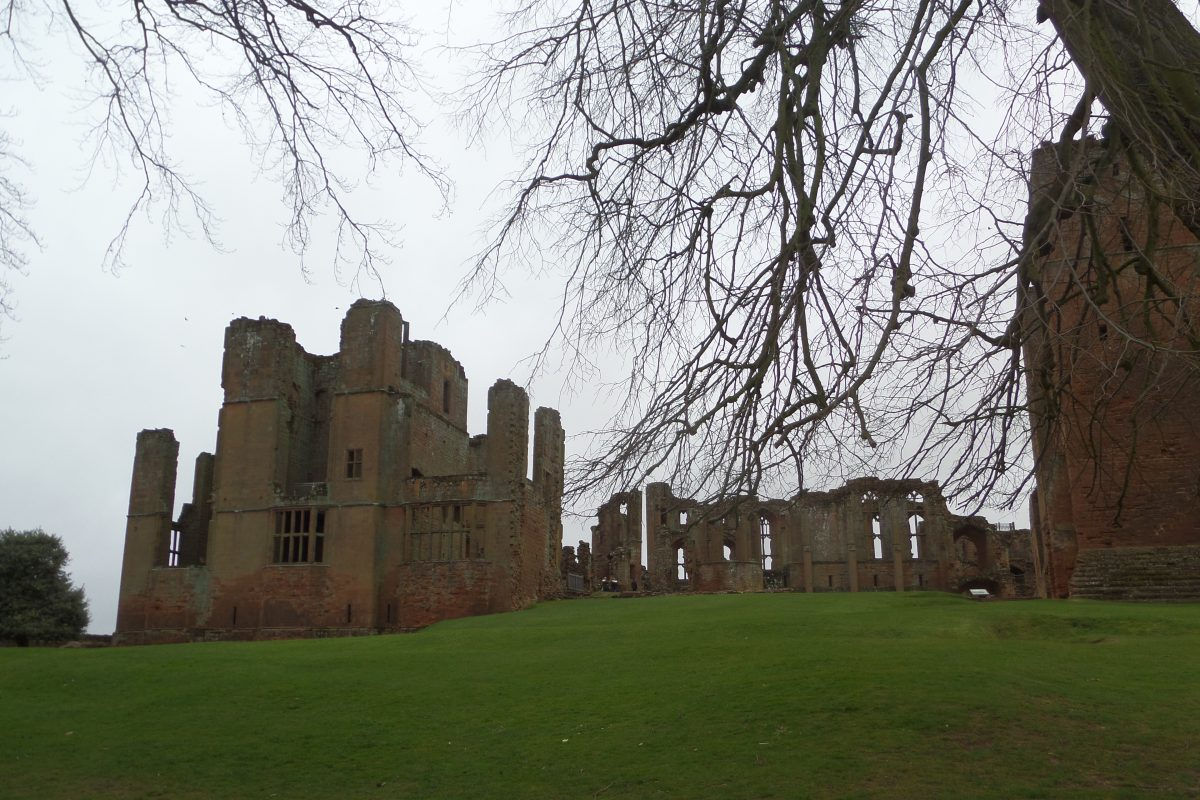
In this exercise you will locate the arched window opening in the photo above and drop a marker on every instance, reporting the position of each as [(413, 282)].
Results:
[(624, 508), (680, 563), (915, 497), (916, 535), (683, 518), (765, 536), (727, 552), (876, 536), (970, 546)]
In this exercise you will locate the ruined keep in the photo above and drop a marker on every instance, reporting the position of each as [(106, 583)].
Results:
[(870, 534), (1110, 347), (345, 496)]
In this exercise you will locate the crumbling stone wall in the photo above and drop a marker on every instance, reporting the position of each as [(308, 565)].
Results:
[(1110, 352), (617, 543), (345, 496), (870, 534)]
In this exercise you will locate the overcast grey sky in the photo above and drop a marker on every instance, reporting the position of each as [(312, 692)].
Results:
[(94, 357)]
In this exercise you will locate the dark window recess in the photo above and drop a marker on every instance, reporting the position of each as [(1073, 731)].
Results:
[(446, 397), (235, 615), (1126, 238), (389, 612), (830, 580), (458, 513), (876, 577), (354, 462), (299, 536), (348, 614)]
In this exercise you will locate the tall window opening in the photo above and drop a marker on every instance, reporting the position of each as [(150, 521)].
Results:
[(680, 563), (916, 533), (354, 462), (446, 397), (876, 536), (727, 551), (765, 537), (173, 550), (683, 518), (299, 536)]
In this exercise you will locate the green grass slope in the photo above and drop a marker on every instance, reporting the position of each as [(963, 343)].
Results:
[(727, 696)]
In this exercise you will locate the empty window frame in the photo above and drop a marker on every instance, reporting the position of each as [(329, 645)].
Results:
[(916, 535), (299, 536), (876, 536), (354, 462), (680, 563), (173, 550), (766, 538), (445, 397)]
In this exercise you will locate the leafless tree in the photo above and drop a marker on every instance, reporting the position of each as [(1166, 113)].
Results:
[(795, 222), (15, 231), (302, 80)]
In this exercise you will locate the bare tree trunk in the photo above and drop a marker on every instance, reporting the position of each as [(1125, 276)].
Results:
[(1143, 61)]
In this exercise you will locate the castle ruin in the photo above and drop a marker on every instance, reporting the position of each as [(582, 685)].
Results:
[(345, 496), (870, 534)]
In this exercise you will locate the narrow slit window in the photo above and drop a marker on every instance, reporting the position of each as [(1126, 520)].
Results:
[(876, 536), (173, 550), (446, 397)]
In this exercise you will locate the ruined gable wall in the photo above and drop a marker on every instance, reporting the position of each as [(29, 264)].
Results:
[(617, 541)]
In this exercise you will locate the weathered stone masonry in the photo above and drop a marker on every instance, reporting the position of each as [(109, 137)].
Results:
[(870, 534), (345, 496), (1111, 360)]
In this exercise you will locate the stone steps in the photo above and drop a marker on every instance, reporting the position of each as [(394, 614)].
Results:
[(1138, 573)]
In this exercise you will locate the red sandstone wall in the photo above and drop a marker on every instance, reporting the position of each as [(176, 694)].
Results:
[(1119, 458), (429, 592)]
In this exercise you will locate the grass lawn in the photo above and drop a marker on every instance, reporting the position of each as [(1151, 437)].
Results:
[(721, 696)]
